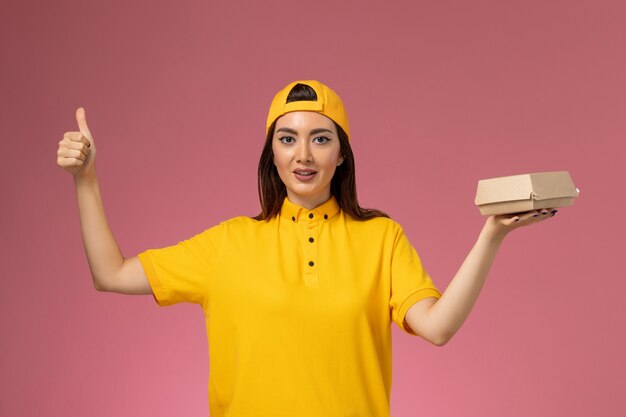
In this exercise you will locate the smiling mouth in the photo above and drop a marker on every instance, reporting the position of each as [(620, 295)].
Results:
[(304, 173)]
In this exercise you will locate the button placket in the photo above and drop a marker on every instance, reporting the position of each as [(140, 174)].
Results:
[(311, 227)]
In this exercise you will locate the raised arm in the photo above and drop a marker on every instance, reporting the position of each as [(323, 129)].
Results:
[(438, 320), (110, 271)]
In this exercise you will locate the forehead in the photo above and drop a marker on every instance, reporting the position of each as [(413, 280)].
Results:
[(305, 120)]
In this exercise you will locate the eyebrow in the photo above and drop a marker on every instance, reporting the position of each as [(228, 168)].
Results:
[(313, 132)]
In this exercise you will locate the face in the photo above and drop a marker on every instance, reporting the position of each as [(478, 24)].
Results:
[(306, 153)]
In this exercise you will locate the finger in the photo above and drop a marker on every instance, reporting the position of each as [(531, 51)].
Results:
[(69, 162), (508, 219), (539, 215), (81, 119), (547, 213), (74, 137), (72, 154), (515, 220), (81, 145), (529, 216), (543, 214)]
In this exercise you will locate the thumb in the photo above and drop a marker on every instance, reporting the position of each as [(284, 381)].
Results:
[(82, 123)]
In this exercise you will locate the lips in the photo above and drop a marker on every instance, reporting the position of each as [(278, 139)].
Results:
[(304, 174), (304, 171)]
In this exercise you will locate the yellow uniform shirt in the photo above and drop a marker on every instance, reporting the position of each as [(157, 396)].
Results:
[(298, 309)]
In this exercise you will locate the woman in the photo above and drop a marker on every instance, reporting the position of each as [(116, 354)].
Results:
[(298, 300)]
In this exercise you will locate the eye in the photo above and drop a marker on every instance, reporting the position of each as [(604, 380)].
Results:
[(287, 139), (321, 139)]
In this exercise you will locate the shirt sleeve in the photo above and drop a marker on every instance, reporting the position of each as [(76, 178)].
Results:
[(410, 283), (183, 272)]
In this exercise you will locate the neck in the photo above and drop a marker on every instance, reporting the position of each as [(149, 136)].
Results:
[(308, 203)]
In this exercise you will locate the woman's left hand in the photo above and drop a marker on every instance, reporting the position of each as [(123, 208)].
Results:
[(501, 225)]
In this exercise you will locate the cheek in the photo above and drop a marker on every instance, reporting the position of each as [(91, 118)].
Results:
[(333, 159), (277, 160), (281, 160), (283, 157), (276, 157)]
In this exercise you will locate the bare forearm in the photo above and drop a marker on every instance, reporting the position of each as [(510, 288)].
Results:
[(110, 271), (450, 311), (438, 320), (103, 253)]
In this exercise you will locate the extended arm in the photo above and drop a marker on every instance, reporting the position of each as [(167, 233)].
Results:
[(109, 270), (438, 320)]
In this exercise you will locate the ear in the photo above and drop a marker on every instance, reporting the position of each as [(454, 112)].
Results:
[(340, 160)]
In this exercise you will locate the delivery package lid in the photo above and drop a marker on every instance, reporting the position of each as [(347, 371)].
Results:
[(525, 192)]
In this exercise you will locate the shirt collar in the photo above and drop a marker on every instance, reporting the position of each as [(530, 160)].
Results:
[(295, 213)]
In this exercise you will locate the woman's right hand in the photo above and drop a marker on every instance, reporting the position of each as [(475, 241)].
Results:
[(77, 151)]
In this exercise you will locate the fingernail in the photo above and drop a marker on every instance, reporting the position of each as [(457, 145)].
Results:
[(554, 212), (544, 213)]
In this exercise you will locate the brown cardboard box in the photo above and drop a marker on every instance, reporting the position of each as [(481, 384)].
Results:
[(520, 193)]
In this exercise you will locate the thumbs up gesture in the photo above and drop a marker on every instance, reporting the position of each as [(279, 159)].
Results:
[(77, 152)]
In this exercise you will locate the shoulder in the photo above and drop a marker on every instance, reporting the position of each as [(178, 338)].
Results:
[(237, 225), (377, 226), (244, 226), (227, 232), (373, 223), (240, 221), (230, 225)]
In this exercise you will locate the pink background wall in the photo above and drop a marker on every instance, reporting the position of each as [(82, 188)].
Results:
[(440, 94)]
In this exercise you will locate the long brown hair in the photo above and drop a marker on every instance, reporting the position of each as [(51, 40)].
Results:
[(272, 190)]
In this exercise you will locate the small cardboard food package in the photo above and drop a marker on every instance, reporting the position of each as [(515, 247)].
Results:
[(526, 192)]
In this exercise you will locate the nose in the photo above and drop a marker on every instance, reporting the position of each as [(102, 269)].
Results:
[(303, 152)]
